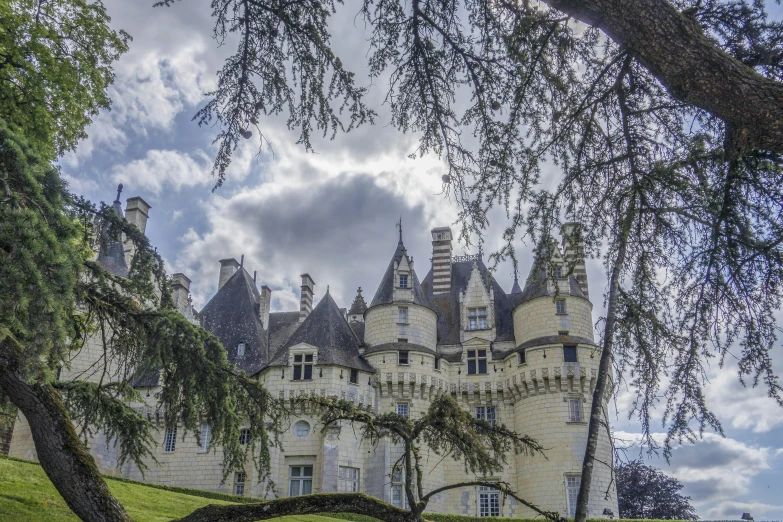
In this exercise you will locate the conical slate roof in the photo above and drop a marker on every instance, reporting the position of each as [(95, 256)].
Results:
[(326, 329), (232, 316), (359, 306), (385, 292), (111, 252), (537, 284), (516, 289)]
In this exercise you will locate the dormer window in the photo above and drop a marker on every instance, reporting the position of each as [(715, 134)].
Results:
[(558, 271), (241, 350), (403, 281), (303, 367), (477, 318), (477, 362)]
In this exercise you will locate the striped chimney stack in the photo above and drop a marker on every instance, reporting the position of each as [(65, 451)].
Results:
[(306, 301), (441, 260), (574, 253)]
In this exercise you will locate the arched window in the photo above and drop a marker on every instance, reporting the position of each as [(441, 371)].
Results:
[(301, 429)]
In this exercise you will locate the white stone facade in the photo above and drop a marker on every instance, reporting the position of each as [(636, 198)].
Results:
[(526, 383)]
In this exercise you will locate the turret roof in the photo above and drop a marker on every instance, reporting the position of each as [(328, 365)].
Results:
[(385, 292), (111, 252), (359, 306)]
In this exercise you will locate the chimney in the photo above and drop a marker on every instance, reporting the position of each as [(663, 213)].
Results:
[(180, 290), (227, 269), (574, 253), (264, 305), (306, 302), (441, 260), (137, 211)]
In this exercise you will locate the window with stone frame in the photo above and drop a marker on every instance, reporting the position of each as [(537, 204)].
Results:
[(522, 359), (300, 481), (402, 358), (569, 354), (239, 483), (397, 489), (572, 492), (558, 271), (303, 367), (204, 436), (403, 281), (244, 436), (349, 480), (402, 315), (354, 377), (575, 410), (477, 362), (488, 502), (560, 306), (240, 349), (402, 409), (477, 318), (486, 413), (170, 439)]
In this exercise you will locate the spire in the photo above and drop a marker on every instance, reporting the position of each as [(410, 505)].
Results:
[(117, 205), (516, 289), (399, 227), (119, 191), (359, 306)]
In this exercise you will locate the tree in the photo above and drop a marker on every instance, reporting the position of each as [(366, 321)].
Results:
[(55, 67), (667, 133), (647, 492)]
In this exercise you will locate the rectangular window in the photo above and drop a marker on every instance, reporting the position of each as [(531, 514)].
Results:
[(575, 410), (397, 491), (569, 353), (402, 358), (241, 350), (486, 413), (403, 281), (239, 483), (489, 502), (300, 481), (303, 367), (437, 363), (354, 377), (244, 436), (402, 315), (558, 272), (402, 409), (477, 362), (477, 318), (170, 439), (560, 307), (522, 357), (349, 480), (204, 436), (572, 491)]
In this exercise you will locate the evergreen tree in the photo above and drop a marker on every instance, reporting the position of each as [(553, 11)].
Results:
[(646, 492)]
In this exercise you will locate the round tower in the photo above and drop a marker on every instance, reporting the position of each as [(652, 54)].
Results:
[(554, 371)]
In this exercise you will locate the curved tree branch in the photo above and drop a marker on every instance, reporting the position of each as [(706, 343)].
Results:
[(693, 69)]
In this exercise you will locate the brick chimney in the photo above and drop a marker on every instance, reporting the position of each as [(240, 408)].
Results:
[(574, 253), (227, 269), (180, 290), (306, 302), (441, 260), (264, 305)]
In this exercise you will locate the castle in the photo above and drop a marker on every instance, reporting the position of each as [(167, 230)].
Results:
[(526, 358)]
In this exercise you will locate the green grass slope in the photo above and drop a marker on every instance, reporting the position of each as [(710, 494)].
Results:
[(27, 495)]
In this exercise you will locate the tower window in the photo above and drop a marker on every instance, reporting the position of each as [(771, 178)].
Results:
[(402, 315), (437, 363), (303, 367), (402, 358), (569, 353), (558, 272), (170, 439), (239, 483), (522, 357), (354, 377), (477, 318), (477, 362), (486, 413), (403, 281), (575, 410), (572, 491), (560, 306), (402, 409), (489, 501), (241, 350), (205, 436)]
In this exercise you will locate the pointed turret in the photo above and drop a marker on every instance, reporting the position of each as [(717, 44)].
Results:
[(516, 289), (399, 282), (358, 307), (111, 252)]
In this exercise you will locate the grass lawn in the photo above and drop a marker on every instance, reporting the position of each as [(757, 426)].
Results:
[(27, 495)]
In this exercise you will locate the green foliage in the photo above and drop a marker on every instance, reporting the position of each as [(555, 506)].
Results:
[(55, 68), (644, 492)]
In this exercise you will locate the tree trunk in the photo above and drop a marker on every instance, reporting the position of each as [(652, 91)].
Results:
[(63, 457), (604, 368), (675, 50), (304, 505)]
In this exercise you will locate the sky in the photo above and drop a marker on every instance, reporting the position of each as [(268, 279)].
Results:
[(332, 214)]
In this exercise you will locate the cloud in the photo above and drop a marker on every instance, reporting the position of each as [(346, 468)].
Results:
[(733, 510), (714, 467), (165, 168)]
